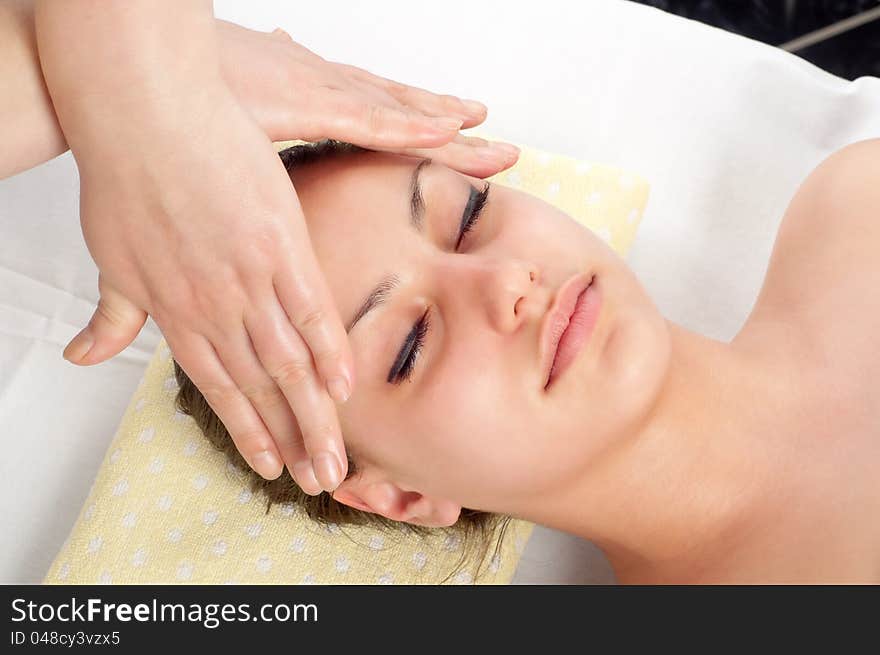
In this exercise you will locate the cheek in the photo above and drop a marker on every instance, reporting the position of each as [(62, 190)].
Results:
[(478, 430), (545, 233), (638, 354), (462, 400), (620, 384)]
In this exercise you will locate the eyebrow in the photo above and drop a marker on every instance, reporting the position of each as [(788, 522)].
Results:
[(383, 291)]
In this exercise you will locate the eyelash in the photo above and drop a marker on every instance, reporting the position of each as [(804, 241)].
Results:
[(417, 338), (477, 201)]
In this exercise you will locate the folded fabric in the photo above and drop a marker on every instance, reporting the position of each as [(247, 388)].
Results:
[(167, 508)]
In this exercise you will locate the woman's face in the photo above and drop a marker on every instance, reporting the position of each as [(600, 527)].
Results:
[(473, 422)]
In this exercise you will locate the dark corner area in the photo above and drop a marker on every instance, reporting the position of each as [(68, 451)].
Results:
[(840, 36)]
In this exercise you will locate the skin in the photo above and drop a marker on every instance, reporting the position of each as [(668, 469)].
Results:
[(684, 458), (260, 337), (702, 461), (260, 69)]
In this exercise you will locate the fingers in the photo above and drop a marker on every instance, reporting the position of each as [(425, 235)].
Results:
[(353, 117), (114, 325), (237, 354), (281, 34), (306, 299), (260, 382), (433, 104), (470, 155), (420, 100), (315, 455), (200, 362)]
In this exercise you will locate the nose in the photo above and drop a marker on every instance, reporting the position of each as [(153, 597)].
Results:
[(500, 286)]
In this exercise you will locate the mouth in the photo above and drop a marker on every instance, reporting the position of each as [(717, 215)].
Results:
[(568, 324)]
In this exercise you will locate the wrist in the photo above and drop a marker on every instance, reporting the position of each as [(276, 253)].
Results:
[(124, 63), (30, 131)]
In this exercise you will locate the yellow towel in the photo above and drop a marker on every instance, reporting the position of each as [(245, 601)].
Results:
[(166, 507)]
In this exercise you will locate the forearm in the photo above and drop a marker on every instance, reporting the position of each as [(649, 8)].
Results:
[(29, 130), (139, 59)]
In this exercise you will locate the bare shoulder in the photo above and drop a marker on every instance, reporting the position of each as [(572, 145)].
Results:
[(818, 313), (823, 278)]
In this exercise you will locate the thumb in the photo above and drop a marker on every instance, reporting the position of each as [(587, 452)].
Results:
[(114, 325)]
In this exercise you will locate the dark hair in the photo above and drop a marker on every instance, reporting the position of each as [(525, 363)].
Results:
[(474, 527)]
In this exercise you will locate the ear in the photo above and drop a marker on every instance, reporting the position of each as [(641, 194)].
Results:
[(389, 500)]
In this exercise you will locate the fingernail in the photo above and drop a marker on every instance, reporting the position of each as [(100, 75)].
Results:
[(326, 468), (80, 346), (475, 107), (267, 465), (448, 124), (339, 389), (304, 475), (492, 154), (508, 149)]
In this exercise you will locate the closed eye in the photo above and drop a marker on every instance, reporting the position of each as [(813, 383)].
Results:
[(472, 212), (406, 358), (409, 353)]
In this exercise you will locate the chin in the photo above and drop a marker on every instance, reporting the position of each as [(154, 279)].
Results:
[(619, 385), (638, 353)]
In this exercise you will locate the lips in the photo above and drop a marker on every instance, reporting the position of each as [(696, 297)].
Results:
[(557, 319)]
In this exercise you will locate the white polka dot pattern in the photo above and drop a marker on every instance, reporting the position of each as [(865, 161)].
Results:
[(139, 557), (495, 563), (593, 198), (452, 543), (120, 487), (184, 571), (95, 544), (463, 577)]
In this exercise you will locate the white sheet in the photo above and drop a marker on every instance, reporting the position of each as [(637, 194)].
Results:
[(724, 127)]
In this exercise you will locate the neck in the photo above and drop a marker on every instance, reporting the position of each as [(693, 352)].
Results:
[(700, 475)]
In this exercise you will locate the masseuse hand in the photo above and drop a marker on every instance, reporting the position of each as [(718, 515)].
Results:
[(191, 218), (268, 74)]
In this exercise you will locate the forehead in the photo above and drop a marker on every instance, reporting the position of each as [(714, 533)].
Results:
[(357, 211)]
